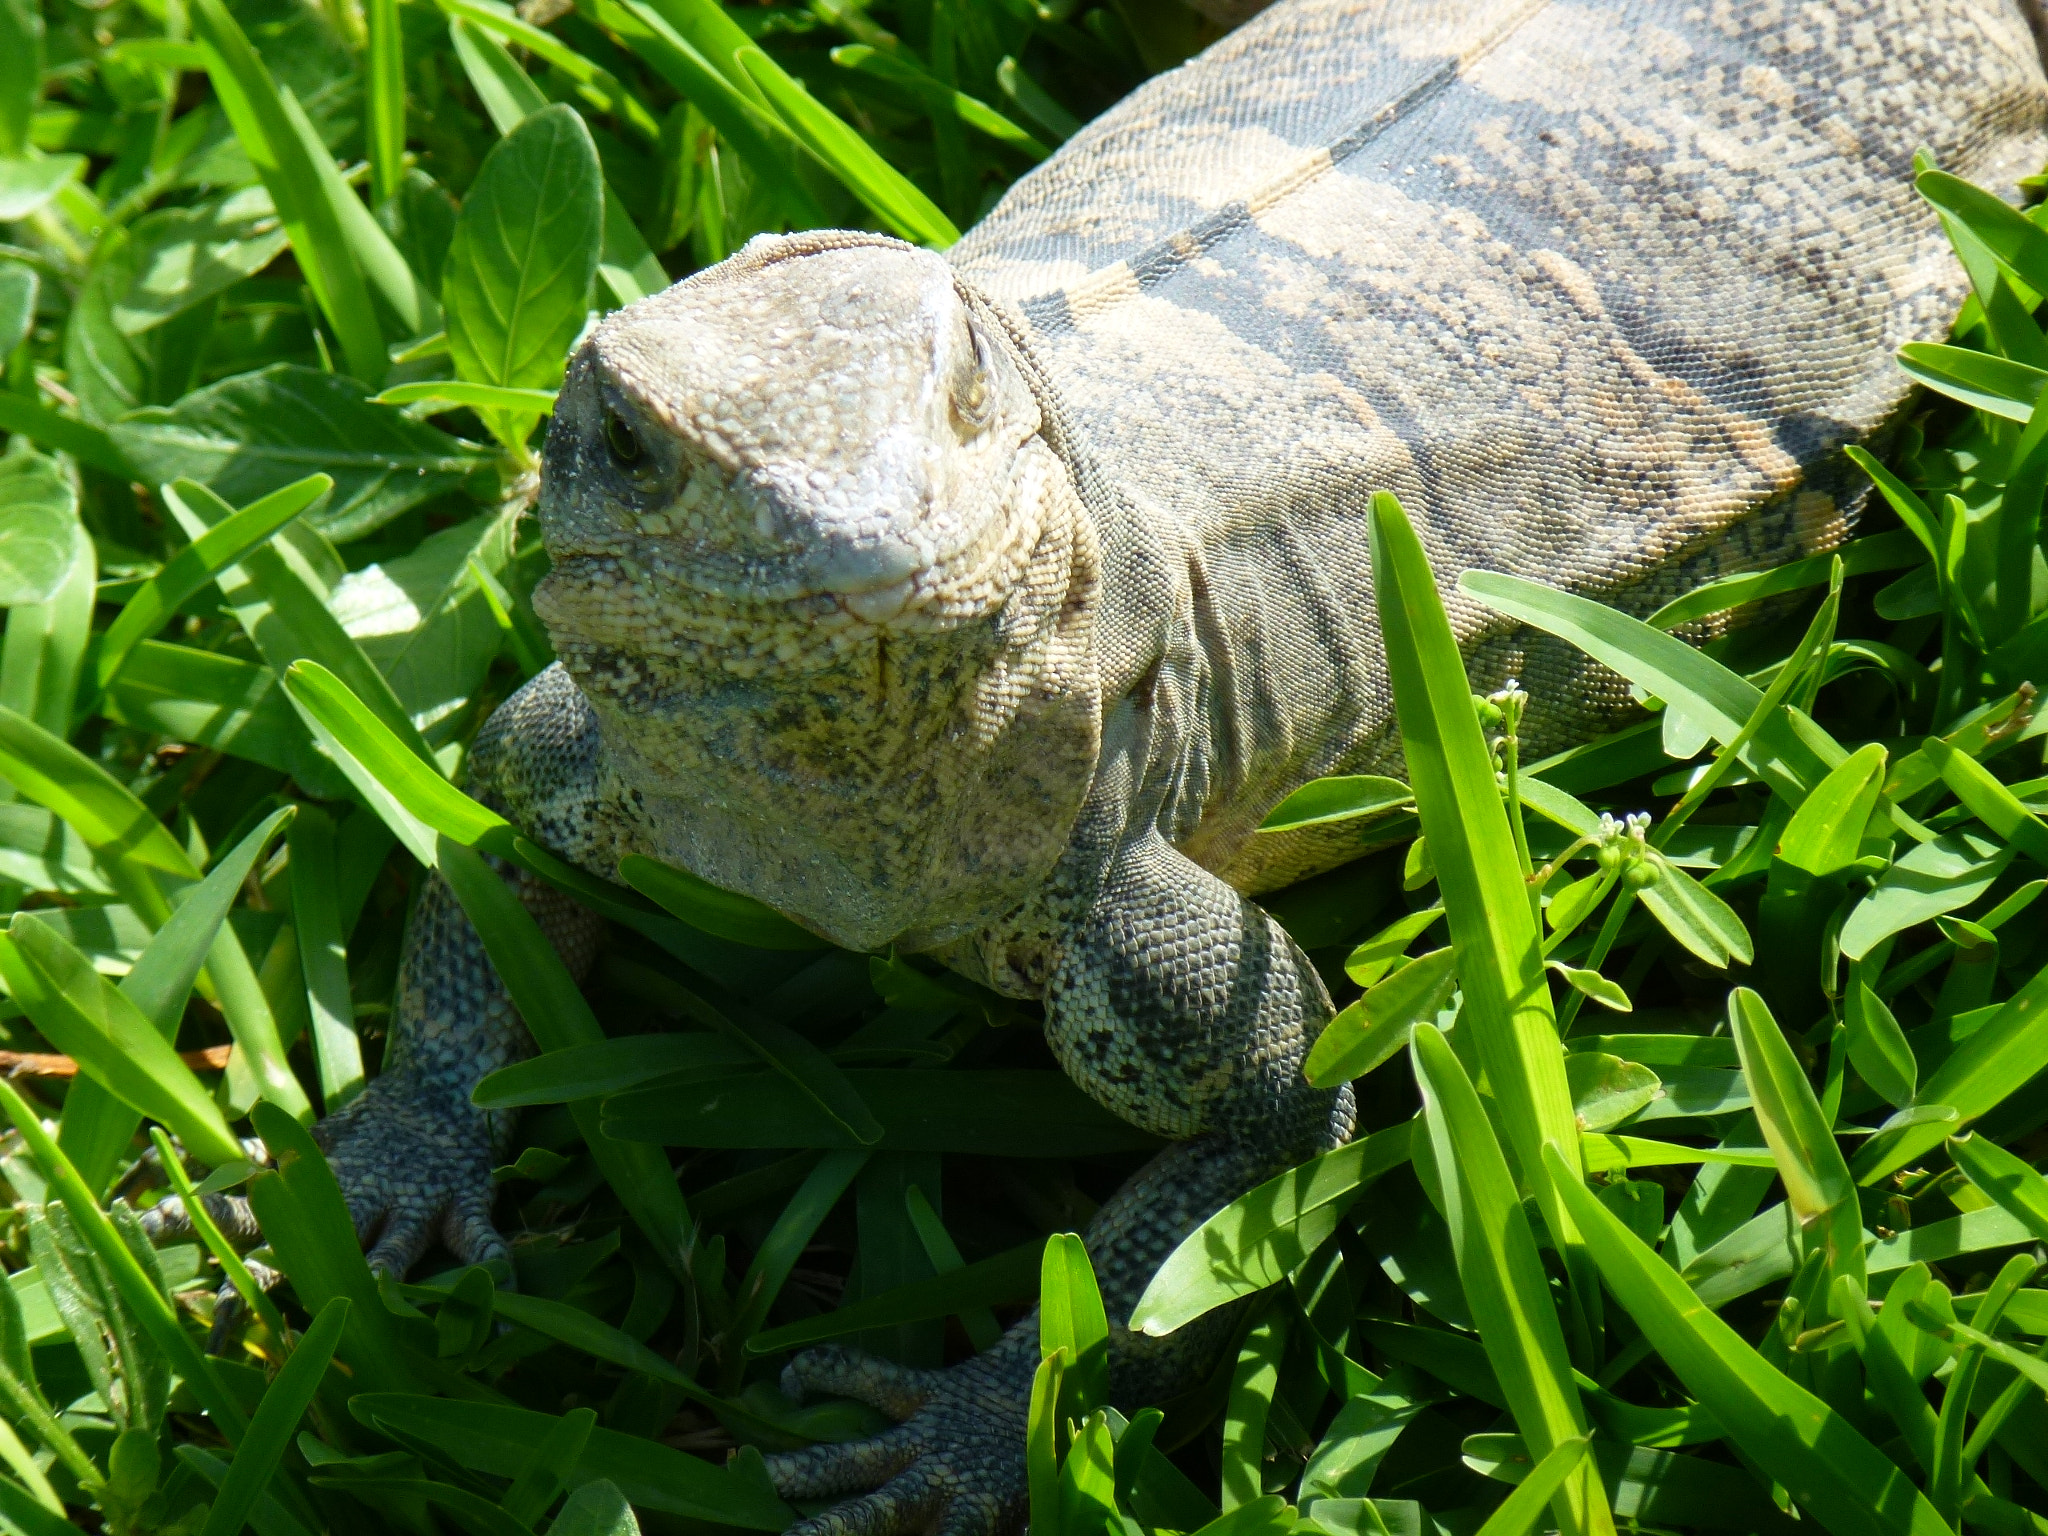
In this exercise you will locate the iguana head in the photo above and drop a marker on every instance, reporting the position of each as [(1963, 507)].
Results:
[(826, 586)]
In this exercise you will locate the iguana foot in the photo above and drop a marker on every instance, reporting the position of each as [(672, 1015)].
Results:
[(953, 1466), (414, 1163)]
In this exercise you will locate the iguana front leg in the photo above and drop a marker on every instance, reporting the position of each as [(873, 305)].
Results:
[(412, 1154), (1187, 1010)]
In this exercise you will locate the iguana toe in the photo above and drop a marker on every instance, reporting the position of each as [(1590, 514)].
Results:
[(954, 1466), (414, 1164)]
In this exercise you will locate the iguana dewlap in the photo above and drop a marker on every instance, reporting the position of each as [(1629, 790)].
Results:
[(985, 603)]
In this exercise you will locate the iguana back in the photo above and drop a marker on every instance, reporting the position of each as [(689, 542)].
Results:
[(1597, 289)]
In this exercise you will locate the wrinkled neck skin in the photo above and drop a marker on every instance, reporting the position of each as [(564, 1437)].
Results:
[(882, 774)]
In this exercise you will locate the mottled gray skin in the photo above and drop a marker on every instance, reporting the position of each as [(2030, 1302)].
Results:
[(985, 605)]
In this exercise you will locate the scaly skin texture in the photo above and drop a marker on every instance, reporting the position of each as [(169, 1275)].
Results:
[(984, 605)]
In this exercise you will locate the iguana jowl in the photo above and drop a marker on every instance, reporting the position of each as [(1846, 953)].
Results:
[(984, 604)]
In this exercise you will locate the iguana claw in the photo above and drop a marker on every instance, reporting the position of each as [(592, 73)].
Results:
[(954, 1466), (414, 1164)]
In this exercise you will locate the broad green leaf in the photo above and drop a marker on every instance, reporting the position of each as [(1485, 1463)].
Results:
[(146, 1304), (1928, 880), (1502, 1274), (517, 284), (85, 442), (792, 1233), (1607, 1153), (598, 1508), (275, 1420), (1894, 549), (1487, 902), (39, 529), (2018, 244), (938, 98), (557, 1015), (730, 102), (1991, 384), (1070, 1318), (1606, 1090), (197, 564), (21, 74), (44, 648), (98, 1124), (256, 433), (1826, 831), (1373, 1029), (2008, 1180), (1607, 993), (1877, 1046), (1840, 1479), (609, 1066), (28, 186), (1264, 1235), (412, 308), (1695, 916), (1384, 950), (1810, 1163), (249, 95), (1041, 1446), (1345, 798), (501, 1440)]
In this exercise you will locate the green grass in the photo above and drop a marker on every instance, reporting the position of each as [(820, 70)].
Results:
[(1756, 1247)]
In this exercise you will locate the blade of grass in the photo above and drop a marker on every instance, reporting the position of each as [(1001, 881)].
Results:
[(787, 1239), (249, 96), (1070, 1317), (81, 1013), (1502, 1276), (1264, 1235), (1486, 901), (556, 1014), (1788, 751), (98, 1124), (1809, 1161), (886, 191), (1996, 1060), (1517, 1514), (384, 97), (306, 1223), (1844, 1482), (194, 566), (323, 957), (148, 1305), (275, 1421), (2008, 1180), (310, 629), (254, 1297)]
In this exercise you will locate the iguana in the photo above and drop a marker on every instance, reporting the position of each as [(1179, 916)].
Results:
[(983, 604)]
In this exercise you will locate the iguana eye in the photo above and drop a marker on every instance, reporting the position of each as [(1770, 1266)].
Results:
[(621, 439), (974, 391)]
